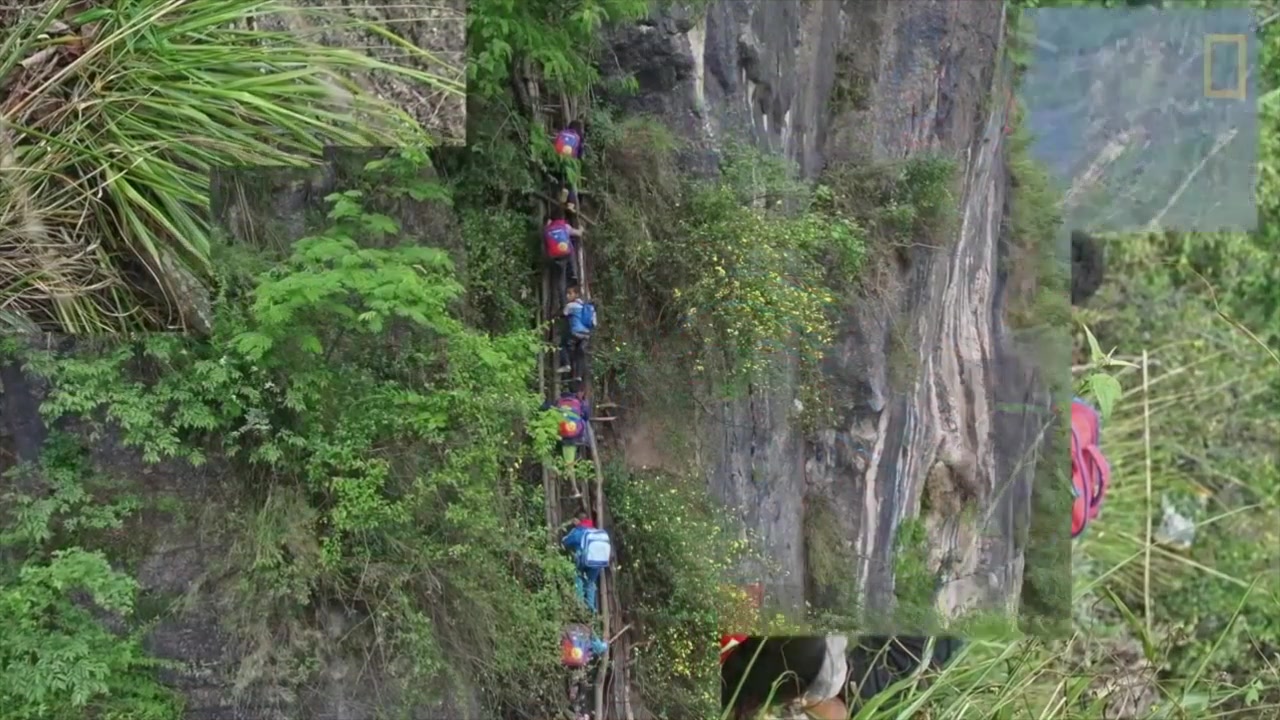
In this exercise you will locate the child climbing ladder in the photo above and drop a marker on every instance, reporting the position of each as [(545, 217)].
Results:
[(567, 299)]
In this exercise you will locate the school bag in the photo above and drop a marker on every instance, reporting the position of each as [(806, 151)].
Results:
[(571, 425), (1090, 472), (575, 646), (570, 404), (567, 143), (559, 244), (596, 549), (587, 316)]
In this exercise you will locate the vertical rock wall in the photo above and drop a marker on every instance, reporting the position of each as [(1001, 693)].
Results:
[(828, 82)]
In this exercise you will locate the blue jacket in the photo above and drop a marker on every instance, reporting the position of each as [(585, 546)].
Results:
[(573, 540), (573, 311)]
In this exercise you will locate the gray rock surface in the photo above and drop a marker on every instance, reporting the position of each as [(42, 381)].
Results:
[(829, 82)]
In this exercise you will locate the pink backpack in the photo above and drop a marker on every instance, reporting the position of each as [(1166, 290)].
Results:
[(1090, 472), (571, 403)]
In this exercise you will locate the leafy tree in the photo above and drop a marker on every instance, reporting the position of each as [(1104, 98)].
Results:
[(60, 662), (559, 40)]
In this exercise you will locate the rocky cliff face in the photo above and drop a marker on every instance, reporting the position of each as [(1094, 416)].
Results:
[(832, 82)]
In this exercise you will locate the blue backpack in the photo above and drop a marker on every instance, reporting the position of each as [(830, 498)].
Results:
[(596, 550), (587, 316)]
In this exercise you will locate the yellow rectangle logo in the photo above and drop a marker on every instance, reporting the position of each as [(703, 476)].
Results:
[(1238, 92)]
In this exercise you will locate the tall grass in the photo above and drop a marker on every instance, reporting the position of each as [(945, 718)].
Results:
[(112, 118)]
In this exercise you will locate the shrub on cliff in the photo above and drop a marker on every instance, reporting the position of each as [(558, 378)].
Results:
[(378, 441)]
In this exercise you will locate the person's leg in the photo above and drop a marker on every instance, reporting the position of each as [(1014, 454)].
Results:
[(566, 341), (579, 698), (580, 582), (833, 673), (593, 589), (571, 265), (569, 452), (561, 278), (578, 357), (571, 200), (832, 709)]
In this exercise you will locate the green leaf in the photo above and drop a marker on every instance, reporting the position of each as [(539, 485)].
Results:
[(1106, 390), (380, 224), (310, 343), (253, 345), (1095, 353)]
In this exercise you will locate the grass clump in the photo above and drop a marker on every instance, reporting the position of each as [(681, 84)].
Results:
[(828, 557), (1038, 272), (107, 152)]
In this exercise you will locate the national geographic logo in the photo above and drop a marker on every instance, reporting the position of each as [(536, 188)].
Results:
[(1240, 43)]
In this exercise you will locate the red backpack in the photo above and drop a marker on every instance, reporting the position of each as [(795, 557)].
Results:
[(575, 646), (571, 425), (568, 143), (558, 241), (1090, 472), (728, 642)]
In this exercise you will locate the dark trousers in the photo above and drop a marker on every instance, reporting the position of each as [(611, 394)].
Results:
[(573, 351), (580, 687)]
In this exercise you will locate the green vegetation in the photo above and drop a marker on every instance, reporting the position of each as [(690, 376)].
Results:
[(363, 401), (350, 344), (913, 584), (833, 591), (60, 662), (1038, 275), (679, 550), (736, 311), (167, 91)]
